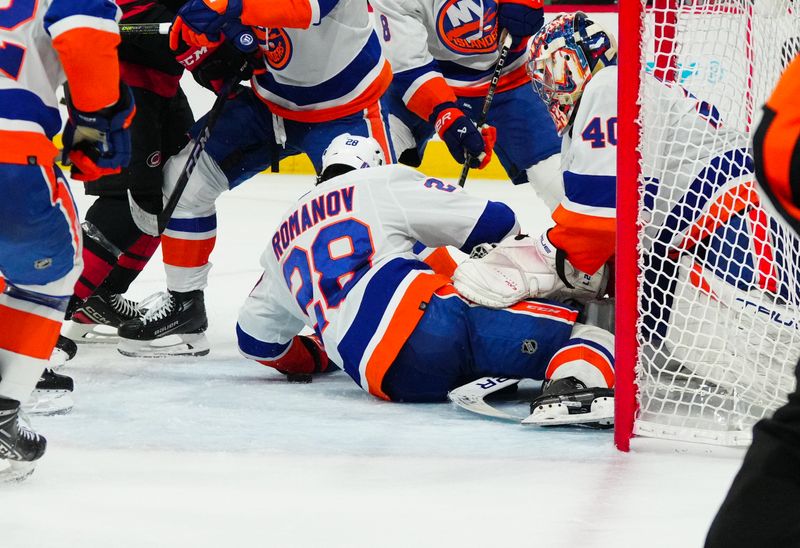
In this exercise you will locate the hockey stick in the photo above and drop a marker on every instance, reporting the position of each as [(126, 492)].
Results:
[(505, 40), (153, 224), (471, 396), (144, 28)]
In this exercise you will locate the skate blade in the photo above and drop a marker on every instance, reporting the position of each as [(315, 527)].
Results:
[(91, 333), (12, 471), (49, 402), (601, 415), (195, 344)]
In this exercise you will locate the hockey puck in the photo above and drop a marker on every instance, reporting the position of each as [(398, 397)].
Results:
[(298, 378)]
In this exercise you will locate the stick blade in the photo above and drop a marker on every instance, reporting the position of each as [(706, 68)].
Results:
[(471, 396), (146, 222)]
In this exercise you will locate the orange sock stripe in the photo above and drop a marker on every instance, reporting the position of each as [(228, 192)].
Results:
[(186, 253), (27, 334), (581, 353), (400, 327)]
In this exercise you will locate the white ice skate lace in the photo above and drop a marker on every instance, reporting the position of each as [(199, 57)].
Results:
[(26, 432), (158, 306), (125, 307), (24, 427)]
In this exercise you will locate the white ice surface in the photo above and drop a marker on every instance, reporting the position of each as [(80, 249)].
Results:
[(222, 452)]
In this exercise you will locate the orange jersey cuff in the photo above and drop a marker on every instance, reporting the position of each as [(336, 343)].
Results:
[(429, 95), (90, 62), (296, 14), (588, 241)]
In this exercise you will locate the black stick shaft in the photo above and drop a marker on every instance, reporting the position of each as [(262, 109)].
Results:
[(198, 147), (505, 41)]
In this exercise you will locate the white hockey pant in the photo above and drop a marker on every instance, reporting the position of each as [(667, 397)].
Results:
[(191, 233)]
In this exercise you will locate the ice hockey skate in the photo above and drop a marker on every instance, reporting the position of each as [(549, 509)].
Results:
[(568, 401), (173, 325), (563, 402), (20, 446), (52, 395), (97, 319)]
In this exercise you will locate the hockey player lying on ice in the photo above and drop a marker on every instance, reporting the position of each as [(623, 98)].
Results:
[(341, 262), (326, 76), (710, 268)]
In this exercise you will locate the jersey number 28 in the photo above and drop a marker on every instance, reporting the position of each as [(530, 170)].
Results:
[(339, 254)]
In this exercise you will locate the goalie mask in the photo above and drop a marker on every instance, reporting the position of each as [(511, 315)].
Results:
[(348, 152), (562, 57)]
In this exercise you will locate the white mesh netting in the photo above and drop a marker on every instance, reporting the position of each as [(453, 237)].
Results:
[(719, 322)]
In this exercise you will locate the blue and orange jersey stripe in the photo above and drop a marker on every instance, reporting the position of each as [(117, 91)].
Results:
[(390, 308), (320, 103)]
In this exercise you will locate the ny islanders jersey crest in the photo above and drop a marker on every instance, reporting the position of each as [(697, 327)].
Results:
[(454, 39), (279, 49), (467, 27)]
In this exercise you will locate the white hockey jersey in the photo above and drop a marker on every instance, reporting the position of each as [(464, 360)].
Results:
[(41, 43), (322, 65), (426, 40), (341, 263), (683, 140)]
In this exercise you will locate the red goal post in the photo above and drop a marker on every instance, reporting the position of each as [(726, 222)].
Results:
[(733, 362)]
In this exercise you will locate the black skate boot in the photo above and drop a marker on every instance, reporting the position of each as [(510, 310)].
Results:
[(19, 445), (97, 319), (64, 351), (568, 401), (52, 395), (173, 325)]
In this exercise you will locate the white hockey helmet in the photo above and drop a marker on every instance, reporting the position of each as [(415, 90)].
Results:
[(354, 151)]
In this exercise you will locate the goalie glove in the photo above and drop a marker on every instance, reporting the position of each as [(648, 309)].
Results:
[(510, 272), (572, 283), (521, 267)]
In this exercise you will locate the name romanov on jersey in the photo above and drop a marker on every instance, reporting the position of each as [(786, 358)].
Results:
[(311, 214)]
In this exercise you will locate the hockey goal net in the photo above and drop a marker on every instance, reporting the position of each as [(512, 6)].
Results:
[(708, 306)]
